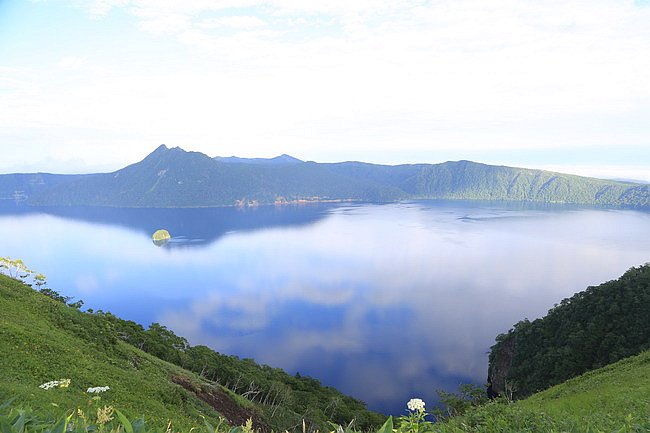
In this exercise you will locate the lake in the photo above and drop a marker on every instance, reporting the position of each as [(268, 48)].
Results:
[(384, 301)]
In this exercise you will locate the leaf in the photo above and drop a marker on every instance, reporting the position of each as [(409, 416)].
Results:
[(7, 403), (387, 427), (61, 426), (128, 427), (208, 426), (5, 427), (19, 424), (138, 425)]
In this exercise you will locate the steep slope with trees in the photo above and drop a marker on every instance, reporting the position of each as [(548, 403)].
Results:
[(593, 328)]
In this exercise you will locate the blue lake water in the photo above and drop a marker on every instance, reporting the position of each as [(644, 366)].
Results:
[(383, 301)]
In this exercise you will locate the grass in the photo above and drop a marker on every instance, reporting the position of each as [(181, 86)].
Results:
[(615, 398), (43, 340)]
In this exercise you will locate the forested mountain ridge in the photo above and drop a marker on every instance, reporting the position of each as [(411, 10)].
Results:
[(20, 186), (176, 178), (593, 328)]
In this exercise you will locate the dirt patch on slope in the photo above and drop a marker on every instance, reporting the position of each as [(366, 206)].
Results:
[(224, 404)]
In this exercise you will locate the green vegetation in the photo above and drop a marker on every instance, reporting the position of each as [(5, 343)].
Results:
[(591, 329), (283, 398), (20, 186), (160, 237), (176, 178), (615, 398), (44, 338), (92, 419)]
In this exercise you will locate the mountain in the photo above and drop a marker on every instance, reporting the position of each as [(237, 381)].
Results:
[(20, 186), (283, 159), (593, 328), (176, 178)]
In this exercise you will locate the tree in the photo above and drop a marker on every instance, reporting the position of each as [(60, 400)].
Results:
[(14, 268)]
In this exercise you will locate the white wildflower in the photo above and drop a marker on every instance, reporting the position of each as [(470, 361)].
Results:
[(98, 389), (48, 385), (415, 404), (63, 383)]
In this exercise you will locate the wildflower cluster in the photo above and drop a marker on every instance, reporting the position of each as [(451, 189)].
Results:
[(61, 383), (414, 421), (415, 404), (105, 415), (98, 389)]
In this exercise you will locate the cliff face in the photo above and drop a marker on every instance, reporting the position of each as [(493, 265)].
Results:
[(501, 358)]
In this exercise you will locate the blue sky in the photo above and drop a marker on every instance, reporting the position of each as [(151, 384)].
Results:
[(93, 85)]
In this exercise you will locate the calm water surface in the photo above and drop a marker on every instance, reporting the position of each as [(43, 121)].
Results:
[(385, 302)]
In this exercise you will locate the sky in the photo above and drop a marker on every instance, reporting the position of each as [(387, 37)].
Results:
[(94, 85)]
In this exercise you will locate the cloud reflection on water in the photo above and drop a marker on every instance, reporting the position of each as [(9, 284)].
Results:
[(416, 299), (385, 302)]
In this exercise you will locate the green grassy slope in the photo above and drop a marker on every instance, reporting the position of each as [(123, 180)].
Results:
[(43, 340), (615, 398), (607, 395)]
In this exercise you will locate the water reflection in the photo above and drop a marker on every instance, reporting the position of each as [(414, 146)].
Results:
[(195, 226), (385, 302)]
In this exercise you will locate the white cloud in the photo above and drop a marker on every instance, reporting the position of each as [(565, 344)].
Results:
[(233, 21), (71, 62), (264, 77)]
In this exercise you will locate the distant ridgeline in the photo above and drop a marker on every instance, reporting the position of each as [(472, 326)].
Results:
[(176, 178), (593, 328)]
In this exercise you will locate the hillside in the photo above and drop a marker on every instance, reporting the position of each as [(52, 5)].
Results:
[(176, 178), (593, 328), (20, 186), (615, 398), (43, 339)]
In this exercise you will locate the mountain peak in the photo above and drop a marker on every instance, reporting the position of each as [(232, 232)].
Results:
[(283, 159)]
